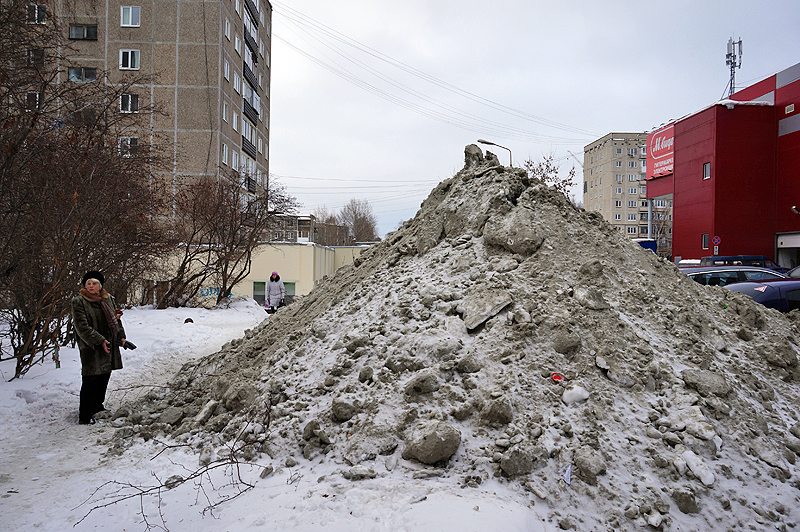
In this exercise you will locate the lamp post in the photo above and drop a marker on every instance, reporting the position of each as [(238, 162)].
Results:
[(510, 159)]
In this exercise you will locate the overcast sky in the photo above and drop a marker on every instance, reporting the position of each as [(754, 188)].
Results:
[(376, 100)]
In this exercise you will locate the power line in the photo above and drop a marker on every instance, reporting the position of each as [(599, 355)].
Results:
[(435, 109), (302, 20)]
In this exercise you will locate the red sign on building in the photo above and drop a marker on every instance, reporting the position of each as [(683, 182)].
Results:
[(661, 152)]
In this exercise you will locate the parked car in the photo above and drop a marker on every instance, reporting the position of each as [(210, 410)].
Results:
[(725, 275), (742, 260), (780, 294), (794, 272)]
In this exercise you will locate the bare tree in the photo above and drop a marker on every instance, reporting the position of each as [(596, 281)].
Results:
[(662, 231), (324, 216), (221, 226), (69, 201), (547, 171), (358, 217)]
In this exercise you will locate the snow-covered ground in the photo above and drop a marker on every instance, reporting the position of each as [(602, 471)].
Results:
[(56, 475)]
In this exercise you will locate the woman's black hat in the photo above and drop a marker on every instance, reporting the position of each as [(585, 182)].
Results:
[(94, 274)]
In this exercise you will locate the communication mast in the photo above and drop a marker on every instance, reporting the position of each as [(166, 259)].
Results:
[(734, 61)]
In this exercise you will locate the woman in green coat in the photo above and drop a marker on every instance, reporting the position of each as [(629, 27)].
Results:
[(95, 317)]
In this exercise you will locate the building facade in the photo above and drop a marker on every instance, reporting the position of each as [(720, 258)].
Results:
[(307, 229), (614, 185), (732, 171), (209, 63)]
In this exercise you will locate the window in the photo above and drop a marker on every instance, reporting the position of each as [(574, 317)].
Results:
[(235, 121), (643, 189), (248, 131), (632, 204), (224, 153), (631, 217), (261, 48), (260, 145), (619, 164), (226, 70), (225, 111), (618, 217), (238, 6), (31, 101), (706, 170), (227, 29), (643, 229), (620, 178), (235, 160), (619, 151), (643, 216), (129, 103), (237, 44), (259, 292), (619, 190), (644, 150), (632, 151), (237, 82), (86, 32), (36, 14), (618, 203), (129, 59), (128, 146), (633, 190), (644, 203), (251, 96), (36, 57), (633, 164), (129, 16), (705, 240), (631, 230), (82, 74), (633, 177)]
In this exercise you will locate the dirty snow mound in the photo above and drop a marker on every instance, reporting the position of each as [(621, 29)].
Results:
[(437, 349)]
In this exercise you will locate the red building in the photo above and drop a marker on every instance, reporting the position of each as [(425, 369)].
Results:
[(732, 171)]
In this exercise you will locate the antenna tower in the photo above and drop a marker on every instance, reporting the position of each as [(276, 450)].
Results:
[(734, 61)]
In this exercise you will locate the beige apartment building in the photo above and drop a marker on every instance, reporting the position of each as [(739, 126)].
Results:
[(614, 184), (211, 65)]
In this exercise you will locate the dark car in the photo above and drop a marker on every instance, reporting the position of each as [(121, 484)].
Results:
[(742, 260), (725, 275), (794, 272), (780, 294)]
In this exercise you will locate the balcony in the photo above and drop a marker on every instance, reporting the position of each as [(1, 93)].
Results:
[(251, 185), (251, 7), (249, 148), (250, 77), (251, 43), (250, 112)]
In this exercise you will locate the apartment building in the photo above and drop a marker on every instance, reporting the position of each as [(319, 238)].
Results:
[(210, 62), (307, 229), (614, 184)]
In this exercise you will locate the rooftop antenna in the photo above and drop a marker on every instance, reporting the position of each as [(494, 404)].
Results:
[(734, 61)]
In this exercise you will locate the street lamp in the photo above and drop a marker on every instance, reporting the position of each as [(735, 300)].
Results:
[(510, 159)]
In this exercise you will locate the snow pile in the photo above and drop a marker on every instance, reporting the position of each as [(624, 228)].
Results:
[(433, 357)]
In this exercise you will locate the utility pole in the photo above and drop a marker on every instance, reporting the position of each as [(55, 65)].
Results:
[(734, 61)]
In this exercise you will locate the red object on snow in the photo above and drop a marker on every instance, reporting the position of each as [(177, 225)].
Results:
[(557, 377)]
